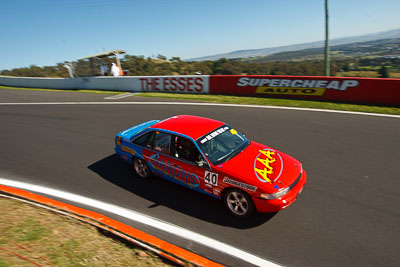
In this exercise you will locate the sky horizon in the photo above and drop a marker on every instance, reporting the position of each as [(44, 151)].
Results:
[(46, 32)]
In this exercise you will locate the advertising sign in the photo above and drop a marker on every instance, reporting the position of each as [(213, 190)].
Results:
[(356, 90)]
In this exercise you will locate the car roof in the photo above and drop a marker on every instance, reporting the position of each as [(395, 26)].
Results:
[(191, 126)]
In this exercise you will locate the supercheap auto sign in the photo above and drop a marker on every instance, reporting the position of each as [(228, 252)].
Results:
[(295, 87), (357, 90)]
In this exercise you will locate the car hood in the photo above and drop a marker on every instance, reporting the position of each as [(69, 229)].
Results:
[(263, 167)]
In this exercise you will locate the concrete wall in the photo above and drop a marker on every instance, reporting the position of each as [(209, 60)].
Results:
[(181, 84), (339, 89)]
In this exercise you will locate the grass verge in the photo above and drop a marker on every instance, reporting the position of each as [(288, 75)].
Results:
[(32, 236), (245, 100), (59, 90), (278, 102)]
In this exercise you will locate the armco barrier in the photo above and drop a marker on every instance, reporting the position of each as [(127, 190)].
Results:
[(354, 90), (173, 84)]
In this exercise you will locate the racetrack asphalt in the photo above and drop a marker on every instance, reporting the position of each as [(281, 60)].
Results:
[(348, 213)]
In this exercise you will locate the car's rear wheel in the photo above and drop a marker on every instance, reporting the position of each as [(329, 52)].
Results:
[(238, 203), (140, 167)]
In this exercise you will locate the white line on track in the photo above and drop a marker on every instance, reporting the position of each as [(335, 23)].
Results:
[(202, 104), (120, 96), (144, 219)]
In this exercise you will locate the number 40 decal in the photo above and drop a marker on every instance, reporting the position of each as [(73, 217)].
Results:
[(211, 178)]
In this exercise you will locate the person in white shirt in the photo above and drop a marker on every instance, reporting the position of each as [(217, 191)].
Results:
[(115, 70)]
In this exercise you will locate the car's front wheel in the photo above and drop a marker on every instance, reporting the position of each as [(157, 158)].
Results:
[(238, 203), (140, 167)]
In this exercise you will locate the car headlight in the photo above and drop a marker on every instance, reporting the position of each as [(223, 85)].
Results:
[(276, 195)]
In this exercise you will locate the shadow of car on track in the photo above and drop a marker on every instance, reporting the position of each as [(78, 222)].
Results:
[(173, 196)]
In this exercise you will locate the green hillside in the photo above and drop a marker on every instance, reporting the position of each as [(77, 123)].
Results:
[(386, 48)]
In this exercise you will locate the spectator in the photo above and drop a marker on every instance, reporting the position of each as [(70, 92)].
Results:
[(115, 70), (103, 69)]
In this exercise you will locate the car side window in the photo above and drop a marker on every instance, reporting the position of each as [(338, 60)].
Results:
[(186, 150), (162, 143), (145, 140)]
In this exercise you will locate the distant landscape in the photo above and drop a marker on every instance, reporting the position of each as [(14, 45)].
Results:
[(385, 48), (373, 55), (262, 52)]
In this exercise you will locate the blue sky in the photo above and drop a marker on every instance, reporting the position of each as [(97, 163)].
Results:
[(45, 32)]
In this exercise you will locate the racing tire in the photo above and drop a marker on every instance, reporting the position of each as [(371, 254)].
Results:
[(140, 168), (238, 203)]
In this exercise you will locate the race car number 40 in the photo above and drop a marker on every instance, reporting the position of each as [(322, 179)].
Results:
[(211, 178)]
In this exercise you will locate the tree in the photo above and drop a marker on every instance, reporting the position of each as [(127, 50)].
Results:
[(383, 72)]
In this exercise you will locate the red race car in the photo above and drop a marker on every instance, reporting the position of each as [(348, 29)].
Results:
[(211, 157)]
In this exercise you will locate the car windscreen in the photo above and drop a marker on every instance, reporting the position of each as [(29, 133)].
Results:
[(222, 144)]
